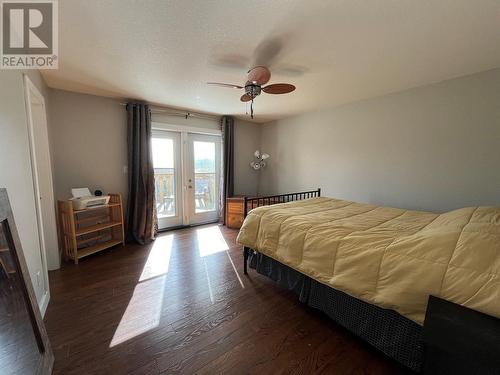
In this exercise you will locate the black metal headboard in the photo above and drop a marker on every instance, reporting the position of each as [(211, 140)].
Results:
[(251, 203)]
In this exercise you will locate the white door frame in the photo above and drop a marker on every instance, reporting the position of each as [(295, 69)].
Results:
[(34, 97), (184, 129), (185, 132)]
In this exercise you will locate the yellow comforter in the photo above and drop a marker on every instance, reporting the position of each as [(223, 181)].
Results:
[(389, 257)]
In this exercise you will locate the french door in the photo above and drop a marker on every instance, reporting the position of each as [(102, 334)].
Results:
[(187, 177), (168, 178), (203, 177)]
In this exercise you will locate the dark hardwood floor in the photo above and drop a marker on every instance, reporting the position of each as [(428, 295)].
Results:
[(19, 353), (182, 305)]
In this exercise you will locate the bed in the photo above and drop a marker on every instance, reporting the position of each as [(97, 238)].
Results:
[(371, 268)]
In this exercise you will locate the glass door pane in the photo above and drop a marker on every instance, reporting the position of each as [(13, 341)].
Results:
[(166, 162), (204, 175), (163, 160)]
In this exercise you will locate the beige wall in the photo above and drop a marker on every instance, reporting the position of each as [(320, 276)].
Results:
[(434, 148), (246, 141), (89, 143)]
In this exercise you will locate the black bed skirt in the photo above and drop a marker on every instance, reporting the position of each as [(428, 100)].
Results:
[(388, 331)]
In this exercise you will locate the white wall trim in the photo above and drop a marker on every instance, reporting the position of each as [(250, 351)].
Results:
[(183, 128)]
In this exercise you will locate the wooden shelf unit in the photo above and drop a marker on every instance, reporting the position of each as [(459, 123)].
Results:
[(88, 231)]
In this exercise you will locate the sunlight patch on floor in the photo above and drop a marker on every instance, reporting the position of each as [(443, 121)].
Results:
[(235, 270), (209, 283), (159, 258), (211, 241), (143, 311)]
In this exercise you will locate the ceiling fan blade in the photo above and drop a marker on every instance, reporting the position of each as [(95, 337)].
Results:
[(278, 88), (229, 61), (269, 50), (225, 85), (245, 98), (259, 75)]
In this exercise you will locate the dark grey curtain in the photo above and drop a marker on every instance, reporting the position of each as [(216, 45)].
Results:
[(227, 127), (141, 208)]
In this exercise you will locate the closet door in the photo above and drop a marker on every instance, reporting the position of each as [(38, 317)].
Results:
[(44, 194)]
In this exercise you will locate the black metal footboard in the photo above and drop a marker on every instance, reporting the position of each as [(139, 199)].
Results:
[(251, 203)]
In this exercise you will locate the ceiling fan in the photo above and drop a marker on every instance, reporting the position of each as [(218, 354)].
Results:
[(257, 77)]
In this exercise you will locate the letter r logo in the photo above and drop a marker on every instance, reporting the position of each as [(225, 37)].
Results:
[(27, 27)]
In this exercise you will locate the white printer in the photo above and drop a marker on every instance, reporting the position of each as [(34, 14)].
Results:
[(82, 199)]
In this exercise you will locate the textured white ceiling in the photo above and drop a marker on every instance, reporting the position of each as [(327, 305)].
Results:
[(334, 51)]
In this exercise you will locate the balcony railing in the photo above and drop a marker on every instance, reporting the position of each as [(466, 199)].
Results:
[(165, 192), (204, 196), (205, 192)]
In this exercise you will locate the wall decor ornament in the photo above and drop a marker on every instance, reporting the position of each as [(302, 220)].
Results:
[(259, 160)]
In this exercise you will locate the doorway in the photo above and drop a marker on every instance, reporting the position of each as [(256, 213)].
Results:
[(187, 169)]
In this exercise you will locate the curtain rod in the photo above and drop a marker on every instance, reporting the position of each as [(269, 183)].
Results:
[(185, 114)]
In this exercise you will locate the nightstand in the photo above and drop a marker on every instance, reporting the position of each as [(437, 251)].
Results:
[(234, 212)]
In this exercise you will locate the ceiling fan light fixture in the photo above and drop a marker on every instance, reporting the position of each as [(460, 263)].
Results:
[(259, 161), (255, 166), (252, 90), (257, 77)]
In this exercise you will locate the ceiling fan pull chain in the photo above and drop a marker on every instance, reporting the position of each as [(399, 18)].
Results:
[(251, 109)]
